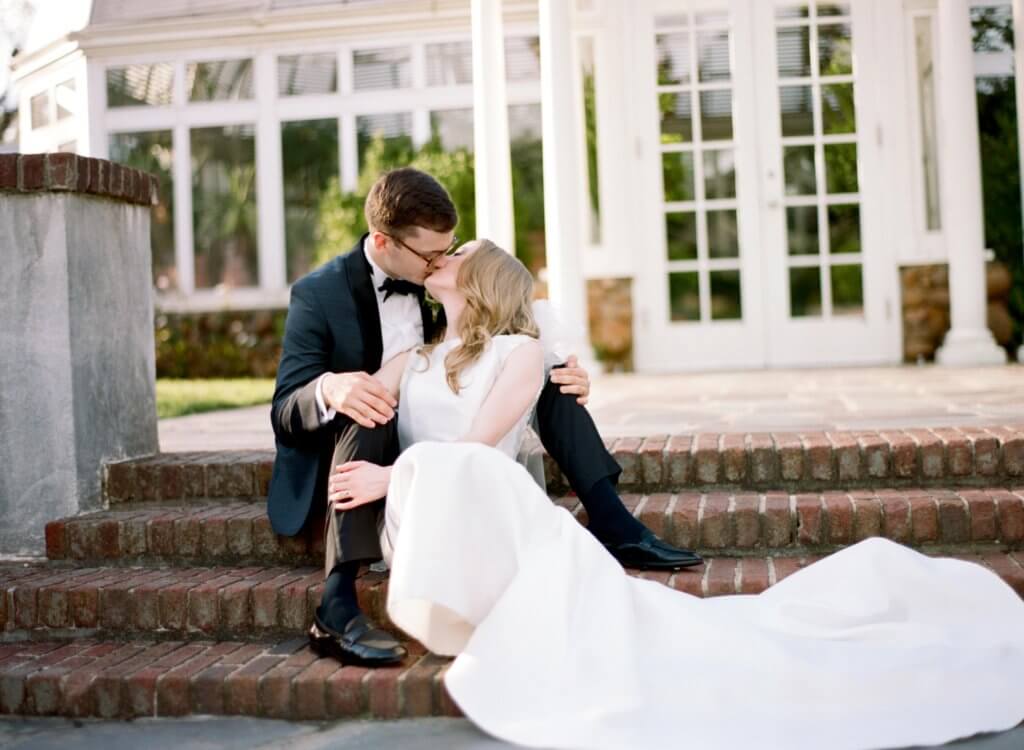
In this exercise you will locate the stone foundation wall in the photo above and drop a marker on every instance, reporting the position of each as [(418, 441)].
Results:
[(610, 318), (926, 307)]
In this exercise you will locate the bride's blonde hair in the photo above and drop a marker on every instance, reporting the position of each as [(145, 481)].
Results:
[(499, 296)]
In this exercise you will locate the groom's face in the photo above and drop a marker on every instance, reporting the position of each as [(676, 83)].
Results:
[(413, 256)]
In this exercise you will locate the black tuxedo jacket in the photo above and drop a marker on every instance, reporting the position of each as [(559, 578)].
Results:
[(333, 325)]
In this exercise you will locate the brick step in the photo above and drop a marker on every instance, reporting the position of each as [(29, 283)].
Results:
[(279, 678), (793, 461), (246, 603), (239, 533)]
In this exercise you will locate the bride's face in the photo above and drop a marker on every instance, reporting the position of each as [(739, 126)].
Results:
[(446, 271)]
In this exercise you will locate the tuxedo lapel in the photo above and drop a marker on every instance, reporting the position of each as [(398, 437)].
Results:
[(360, 282)]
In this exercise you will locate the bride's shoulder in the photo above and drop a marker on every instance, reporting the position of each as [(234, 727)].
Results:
[(505, 344)]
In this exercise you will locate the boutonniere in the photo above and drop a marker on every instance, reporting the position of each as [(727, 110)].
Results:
[(433, 305)]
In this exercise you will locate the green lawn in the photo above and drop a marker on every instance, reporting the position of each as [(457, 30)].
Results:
[(175, 398)]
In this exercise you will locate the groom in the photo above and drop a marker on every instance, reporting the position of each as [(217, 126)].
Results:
[(345, 319)]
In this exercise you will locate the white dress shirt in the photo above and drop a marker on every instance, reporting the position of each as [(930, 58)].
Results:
[(401, 326)]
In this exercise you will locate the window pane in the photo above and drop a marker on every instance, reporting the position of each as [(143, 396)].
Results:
[(307, 74), (452, 128), (802, 230), (219, 80), (587, 62), (140, 85), (723, 236), (394, 129), (677, 175), (847, 290), (841, 167), (449, 64), (799, 167), (835, 49), (676, 117), (797, 110), (224, 219), (793, 47), (681, 235), (725, 296), (527, 184), (309, 161), (40, 104), (844, 228), (684, 296), (716, 115), (65, 96), (713, 55), (522, 58), (389, 68), (673, 52), (152, 152), (798, 11), (834, 9), (804, 292), (720, 174), (837, 110)]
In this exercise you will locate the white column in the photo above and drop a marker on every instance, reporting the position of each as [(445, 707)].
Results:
[(969, 342), (562, 228), (494, 219), (269, 177), (1018, 66)]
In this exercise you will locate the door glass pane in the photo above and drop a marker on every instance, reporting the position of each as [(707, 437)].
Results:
[(716, 115), (844, 228), (684, 296), (309, 161), (713, 55), (388, 68), (847, 290), (802, 230), (299, 75), (681, 234), (152, 152), (799, 168), (797, 110), (219, 80), (224, 218), (673, 51), (841, 167), (837, 109), (835, 49), (720, 174), (793, 48), (804, 292), (726, 301), (676, 117), (677, 175), (723, 241)]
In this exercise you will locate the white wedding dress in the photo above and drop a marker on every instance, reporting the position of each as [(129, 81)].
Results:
[(874, 646)]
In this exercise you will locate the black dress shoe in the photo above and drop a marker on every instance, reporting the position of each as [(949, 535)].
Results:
[(651, 553), (360, 643)]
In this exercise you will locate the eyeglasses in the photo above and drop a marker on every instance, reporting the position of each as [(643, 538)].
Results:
[(429, 258)]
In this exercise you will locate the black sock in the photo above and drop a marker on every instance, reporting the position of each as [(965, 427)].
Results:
[(609, 521), (339, 604)]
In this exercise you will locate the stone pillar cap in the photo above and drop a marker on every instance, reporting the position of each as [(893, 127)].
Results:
[(71, 173)]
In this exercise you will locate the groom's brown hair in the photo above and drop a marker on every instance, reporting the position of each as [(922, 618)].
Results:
[(405, 198)]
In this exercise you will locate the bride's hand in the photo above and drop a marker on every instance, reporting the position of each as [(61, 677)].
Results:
[(356, 483), (573, 379)]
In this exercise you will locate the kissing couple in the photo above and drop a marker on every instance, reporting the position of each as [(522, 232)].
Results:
[(404, 430)]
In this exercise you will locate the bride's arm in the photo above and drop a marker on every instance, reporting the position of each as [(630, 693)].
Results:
[(390, 373), (512, 394)]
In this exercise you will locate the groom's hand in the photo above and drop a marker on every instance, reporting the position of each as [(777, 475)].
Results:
[(573, 379), (356, 483), (359, 396)]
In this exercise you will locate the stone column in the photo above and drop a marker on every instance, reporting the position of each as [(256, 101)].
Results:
[(969, 342), (562, 230), (492, 157), (77, 361)]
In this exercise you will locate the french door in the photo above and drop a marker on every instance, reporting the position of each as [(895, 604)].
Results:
[(760, 242)]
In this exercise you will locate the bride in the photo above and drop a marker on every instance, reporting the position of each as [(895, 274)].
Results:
[(874, 646)]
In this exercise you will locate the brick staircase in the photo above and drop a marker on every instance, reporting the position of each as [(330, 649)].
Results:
[(180, 599)]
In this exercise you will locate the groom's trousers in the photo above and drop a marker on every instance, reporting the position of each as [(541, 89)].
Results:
[(565, 428)]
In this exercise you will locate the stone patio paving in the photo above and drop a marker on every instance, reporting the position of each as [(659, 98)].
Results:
[(754, 401)]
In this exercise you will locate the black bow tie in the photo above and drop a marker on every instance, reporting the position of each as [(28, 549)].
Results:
[(398, 286)]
